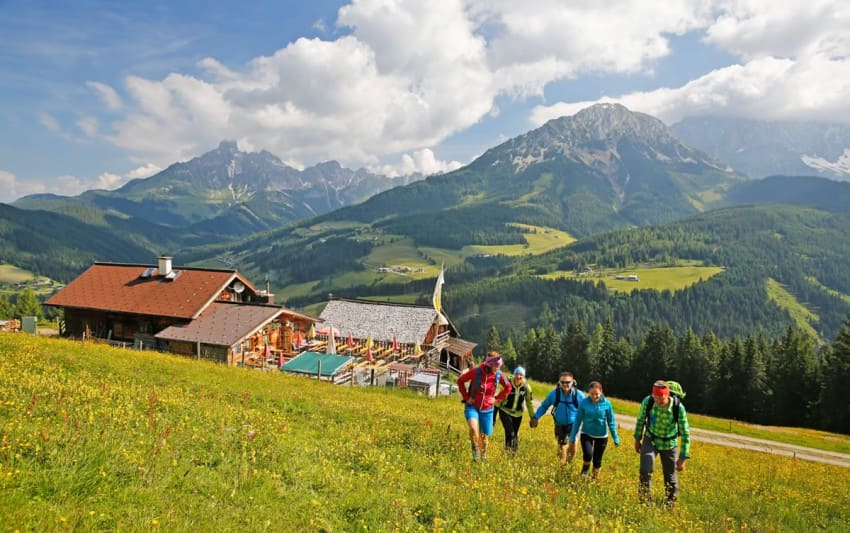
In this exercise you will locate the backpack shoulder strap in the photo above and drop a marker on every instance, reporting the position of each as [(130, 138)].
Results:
[(649, 402), (473, 391), (676, 405), (575, 398)]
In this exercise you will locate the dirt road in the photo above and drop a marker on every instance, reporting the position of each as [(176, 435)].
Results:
[(748, 443)]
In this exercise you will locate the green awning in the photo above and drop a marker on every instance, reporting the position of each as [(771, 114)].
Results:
[(308, 363)]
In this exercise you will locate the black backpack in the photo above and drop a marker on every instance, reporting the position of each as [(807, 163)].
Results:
[(573, 394)]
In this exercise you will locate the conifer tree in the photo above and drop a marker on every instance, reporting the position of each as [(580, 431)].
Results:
[(793, 373), (509, 352), (494, 340), (28, 304), (549, 353), (653, 360), (575, 353), (528, 353), (835, 403), (7, 310)]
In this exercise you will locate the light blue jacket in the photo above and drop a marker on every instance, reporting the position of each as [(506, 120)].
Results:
[(565, 411), (595, 419)]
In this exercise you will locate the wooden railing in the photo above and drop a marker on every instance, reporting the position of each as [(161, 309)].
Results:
[(441, 340)]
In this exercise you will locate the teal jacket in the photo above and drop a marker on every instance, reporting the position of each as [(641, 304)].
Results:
[(595, 419)]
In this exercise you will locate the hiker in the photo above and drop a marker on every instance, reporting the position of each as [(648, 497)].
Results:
[(511, 408), (564, 400), (479, 398), (660, 422), (595, 417)]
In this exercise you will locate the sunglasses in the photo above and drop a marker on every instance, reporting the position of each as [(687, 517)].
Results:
[(565, 382)]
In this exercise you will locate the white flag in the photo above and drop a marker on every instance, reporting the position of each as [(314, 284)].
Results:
[(438, 290), (331, 347)]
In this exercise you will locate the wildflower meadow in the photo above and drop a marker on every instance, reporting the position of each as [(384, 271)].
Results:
[(99, 438)]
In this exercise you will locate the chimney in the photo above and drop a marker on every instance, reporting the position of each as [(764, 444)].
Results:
[(164, 265), (269, 295)]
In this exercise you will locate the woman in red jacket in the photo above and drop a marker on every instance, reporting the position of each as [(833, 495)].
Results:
[(479, 399)]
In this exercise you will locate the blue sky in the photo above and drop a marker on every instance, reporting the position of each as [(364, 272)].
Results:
[(93, 94)]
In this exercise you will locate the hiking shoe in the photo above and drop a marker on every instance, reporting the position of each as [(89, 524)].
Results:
[(476, 454)]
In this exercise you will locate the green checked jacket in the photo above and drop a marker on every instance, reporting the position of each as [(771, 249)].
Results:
[(662, 429)]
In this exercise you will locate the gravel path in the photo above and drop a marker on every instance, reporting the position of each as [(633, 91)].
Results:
[(749, 443)]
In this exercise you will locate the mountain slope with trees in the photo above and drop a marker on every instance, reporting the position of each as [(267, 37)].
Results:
[(224, 193)]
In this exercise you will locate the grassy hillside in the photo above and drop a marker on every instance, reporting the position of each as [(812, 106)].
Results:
[(802, 315), (667, 278), (101, 438)]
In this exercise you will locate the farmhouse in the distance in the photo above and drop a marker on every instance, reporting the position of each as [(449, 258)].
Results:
[(398, 331), (204, 313)]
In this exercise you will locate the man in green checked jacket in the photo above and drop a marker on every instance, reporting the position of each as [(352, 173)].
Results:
[(661, 421)]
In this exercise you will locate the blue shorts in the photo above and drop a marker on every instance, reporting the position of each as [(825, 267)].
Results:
[(484, 417)]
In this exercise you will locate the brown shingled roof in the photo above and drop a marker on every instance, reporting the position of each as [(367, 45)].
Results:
[(119, 288), (223, 323)]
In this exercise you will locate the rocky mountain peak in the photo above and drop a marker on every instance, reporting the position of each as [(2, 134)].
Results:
[(595, 136), (228, 147)]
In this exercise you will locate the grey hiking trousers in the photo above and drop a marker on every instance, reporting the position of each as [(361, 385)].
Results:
[(668, 466)]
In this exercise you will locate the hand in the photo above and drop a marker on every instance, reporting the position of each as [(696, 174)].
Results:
[(617, 444), (533, 422), (680, 464), (637, 446), (571, 452)]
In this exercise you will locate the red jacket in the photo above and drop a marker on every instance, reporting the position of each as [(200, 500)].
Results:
[(485, 397)]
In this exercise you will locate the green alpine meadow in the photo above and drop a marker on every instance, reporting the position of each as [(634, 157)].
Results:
[(94, 438)]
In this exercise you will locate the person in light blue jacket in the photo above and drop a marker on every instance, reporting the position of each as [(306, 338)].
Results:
[(564, 400), (595, 418)]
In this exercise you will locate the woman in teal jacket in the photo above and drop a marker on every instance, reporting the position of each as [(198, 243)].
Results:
[(595, 417)]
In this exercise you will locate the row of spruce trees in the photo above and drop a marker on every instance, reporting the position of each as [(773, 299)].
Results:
[(789, 381), (24, 303)]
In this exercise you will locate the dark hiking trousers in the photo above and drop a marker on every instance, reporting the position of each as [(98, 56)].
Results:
[(668, 466), (511, 425), (592, 449)]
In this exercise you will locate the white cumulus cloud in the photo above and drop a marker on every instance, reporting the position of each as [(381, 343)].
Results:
[(420, 161), (107, 94), (402, 78)]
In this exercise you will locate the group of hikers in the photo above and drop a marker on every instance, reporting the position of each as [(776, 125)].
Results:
[(588, 417)]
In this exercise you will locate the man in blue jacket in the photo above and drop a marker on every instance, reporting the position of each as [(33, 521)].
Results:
[(564, 400)]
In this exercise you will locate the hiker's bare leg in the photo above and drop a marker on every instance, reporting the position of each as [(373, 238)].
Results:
[(473, 432)]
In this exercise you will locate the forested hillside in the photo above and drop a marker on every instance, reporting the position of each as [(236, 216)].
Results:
[(784, 380), (60, 246), (803, 250)]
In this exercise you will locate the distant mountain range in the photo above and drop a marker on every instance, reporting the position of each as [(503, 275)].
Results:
[(601, 169), (621, 182), (760, 149), (226, 192)]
